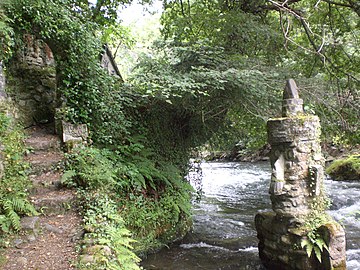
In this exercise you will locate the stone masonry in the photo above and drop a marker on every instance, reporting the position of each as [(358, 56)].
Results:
[(296, 184), (32, 82)]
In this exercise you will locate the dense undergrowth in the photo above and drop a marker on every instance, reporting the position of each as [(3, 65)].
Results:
[(128, 202), (131, 184), (14, 183), (131, 181)]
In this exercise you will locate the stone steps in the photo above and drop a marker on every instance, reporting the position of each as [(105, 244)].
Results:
[(44, 162), (53, 202), (43, 142), (47, 241), (49, 181), (46, 166)]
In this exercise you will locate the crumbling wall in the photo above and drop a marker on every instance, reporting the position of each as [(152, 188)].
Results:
[(31, 82)]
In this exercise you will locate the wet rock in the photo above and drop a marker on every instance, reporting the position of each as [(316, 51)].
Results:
[(77, 235), (31, 238), (98, 249), (345, 169), (88, 241)]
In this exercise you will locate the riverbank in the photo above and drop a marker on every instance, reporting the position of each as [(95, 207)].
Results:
[(330, 152)]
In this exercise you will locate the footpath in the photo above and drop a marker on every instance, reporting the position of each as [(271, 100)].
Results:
[(47, 241)]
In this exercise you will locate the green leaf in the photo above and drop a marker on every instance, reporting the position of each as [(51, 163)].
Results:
[(309, 249), (317, 253), (305, 242)]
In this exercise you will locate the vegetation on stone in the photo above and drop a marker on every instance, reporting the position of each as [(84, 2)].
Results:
[(345, 168), (213, 80), (14, 182)]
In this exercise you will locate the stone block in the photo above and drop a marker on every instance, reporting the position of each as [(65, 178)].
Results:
[(334, 237), (285, 130), (74, 134)]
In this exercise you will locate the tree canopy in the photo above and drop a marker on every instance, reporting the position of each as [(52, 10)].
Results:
[(315, 41), (232, 55)]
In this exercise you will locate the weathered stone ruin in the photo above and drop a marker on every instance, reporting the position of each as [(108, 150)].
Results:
[(32, 82), (297, 195)]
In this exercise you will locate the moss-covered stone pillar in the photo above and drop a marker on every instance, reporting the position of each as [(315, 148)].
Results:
[(292, 236)]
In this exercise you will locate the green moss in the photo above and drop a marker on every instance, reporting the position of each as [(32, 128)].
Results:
[(345, 169)]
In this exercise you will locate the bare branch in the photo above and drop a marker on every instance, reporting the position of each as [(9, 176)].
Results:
[(284, 6)]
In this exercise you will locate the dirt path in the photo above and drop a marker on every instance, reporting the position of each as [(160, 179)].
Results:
[(48, 241)]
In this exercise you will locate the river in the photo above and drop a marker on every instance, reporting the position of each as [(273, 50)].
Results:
[(224, 236)]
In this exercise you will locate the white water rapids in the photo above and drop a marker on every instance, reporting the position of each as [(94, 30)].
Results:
[(224, 236)]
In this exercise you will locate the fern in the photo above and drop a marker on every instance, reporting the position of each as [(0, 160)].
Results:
[(10, 214), (14, 181), (12, 207), (67, 177), (109, 229), (314, 244), (5, 224)]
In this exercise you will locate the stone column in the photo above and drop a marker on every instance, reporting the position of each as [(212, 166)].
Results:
[(295, 187)]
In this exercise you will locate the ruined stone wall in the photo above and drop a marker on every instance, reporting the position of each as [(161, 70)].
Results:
[(31, 82)]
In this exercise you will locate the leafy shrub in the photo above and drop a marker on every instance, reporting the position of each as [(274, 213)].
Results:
[(157, 220), (6, 34), (151, 197), (106, 227), (89, 168), (14, 182)]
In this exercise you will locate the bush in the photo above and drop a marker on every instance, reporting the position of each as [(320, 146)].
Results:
[(14, 183), (107, 229)]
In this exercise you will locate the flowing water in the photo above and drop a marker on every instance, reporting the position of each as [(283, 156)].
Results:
[(224, 236)]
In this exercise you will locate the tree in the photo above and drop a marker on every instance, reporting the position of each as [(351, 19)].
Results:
[(316, 40)]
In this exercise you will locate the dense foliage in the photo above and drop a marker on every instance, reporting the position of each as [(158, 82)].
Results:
[(6, 34), (124, 162), (153, 203), (14, 183), (313, 41), (215, 79), (211, 91)]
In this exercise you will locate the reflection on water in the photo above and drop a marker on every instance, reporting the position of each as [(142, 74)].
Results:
[(224, 236)]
